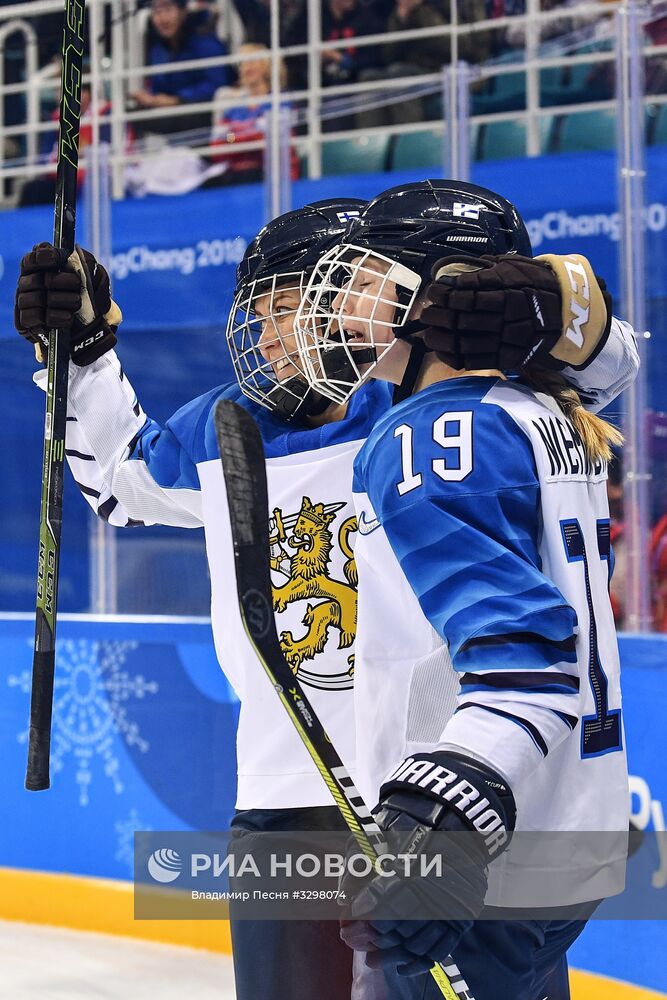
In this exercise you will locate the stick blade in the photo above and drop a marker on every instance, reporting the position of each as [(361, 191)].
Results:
[(242, 453), (244, 467)]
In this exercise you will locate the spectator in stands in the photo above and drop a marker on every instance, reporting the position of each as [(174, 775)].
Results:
[(256, 18), (293, 30), (419, 56), (248, 122), (424, 55), (409, 58), (41, 190), (175, 37), (348, 19)]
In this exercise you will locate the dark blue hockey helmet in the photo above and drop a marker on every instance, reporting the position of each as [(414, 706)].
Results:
[(295, 241), (363, 290), (418, 224), (270, 281)]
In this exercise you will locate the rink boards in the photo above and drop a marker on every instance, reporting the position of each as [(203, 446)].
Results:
[(143, 738)]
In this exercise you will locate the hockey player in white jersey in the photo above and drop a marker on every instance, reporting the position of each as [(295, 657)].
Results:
[(134, 471), (484, 530)]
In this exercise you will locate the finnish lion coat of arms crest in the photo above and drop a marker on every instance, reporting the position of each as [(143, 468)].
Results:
[(302, 546)]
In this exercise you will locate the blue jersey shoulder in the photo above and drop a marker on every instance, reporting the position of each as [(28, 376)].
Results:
[(444, 441), (364, 409), (194, 425)]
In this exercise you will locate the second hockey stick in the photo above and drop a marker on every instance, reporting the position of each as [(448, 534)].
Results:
[(51, 510), (244, 467)]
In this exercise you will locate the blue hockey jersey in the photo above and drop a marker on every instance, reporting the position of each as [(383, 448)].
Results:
[(484, 533)]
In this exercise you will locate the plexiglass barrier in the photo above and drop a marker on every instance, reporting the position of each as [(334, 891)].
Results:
[(547, 86)]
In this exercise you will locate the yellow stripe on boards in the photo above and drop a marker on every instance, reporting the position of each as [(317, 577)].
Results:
[(588, 986), (107, 907), (102, 905)]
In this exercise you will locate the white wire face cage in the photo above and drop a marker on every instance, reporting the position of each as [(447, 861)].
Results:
[(355, 301), (263, 313)]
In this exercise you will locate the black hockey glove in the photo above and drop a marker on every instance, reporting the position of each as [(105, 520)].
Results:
[(428, 795), (72, 295), (501, 312)]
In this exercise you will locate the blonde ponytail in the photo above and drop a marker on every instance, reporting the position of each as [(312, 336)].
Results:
[(598, 435)]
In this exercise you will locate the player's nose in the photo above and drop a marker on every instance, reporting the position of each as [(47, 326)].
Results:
[(269, 340), (341, 301)]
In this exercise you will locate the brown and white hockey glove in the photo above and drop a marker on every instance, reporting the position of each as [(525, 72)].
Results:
[(503, 311), (70, 294)]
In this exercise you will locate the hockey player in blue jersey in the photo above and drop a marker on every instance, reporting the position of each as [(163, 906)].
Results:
[(134, 471), (483, 517)]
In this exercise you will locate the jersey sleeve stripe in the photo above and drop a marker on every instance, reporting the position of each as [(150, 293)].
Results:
[(538, 682), (88, 491), (569, 720), (533, 655), (567, 645), (542, 708), (527, 726), (71, 453), (106, 509)]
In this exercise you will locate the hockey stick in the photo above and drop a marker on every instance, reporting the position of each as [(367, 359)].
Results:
[(51, 510), (244, 467)]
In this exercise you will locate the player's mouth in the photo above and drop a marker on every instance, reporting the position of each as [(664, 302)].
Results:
[(284, 369), (354, 336)]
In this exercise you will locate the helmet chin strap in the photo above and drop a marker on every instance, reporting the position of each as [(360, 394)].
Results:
[(295, 397), (418, 350)]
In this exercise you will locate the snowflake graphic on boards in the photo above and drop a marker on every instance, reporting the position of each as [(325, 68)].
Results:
[(91, 693), (125, 831)]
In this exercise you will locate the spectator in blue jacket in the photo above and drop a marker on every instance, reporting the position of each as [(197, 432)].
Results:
[(175, 37)]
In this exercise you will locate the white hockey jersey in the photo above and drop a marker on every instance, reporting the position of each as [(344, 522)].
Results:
[(133, 471), (482, 520)]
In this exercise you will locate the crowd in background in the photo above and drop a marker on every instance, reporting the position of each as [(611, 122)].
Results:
[(187, 30), (193, 30), (169, 104)]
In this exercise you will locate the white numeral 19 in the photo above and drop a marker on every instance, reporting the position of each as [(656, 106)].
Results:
[(448, 470)]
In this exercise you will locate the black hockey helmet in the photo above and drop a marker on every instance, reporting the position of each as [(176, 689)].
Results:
[(296, 241), (278, 262), (398, 237), (417, 224)]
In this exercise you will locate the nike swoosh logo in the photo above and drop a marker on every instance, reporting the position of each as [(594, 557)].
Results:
[(366, 527)]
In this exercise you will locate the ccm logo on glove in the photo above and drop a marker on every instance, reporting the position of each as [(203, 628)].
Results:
[(580, 302), (586, 309), (461, 795)]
